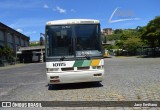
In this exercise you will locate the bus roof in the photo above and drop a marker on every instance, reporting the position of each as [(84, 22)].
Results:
[(73, 21)]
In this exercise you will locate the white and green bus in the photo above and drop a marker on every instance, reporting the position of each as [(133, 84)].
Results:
[(73, 51)]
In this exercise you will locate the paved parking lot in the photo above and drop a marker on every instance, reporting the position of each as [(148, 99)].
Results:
[(126, 79)]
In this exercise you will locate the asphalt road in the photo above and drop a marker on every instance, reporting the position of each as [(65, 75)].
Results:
[(126, 79)]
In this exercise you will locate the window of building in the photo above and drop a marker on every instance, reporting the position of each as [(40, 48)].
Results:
[(9, 38), (22, 42), (17, 41), (1, 44), (11, 45), (26, 43), (1, 35)]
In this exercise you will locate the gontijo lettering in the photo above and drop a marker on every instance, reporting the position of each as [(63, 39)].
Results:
[(58, 64)]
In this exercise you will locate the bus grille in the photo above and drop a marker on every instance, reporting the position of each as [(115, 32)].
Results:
[(83, 68), (67, 69)]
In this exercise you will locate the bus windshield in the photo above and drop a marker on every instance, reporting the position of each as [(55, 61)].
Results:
[(87, 40), (59, 41), (73, 40)]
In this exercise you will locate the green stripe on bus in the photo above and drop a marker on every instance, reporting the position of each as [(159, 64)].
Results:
[(82, 63), (86, 63), (78, 63)]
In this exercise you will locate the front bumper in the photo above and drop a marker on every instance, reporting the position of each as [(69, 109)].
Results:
[(75, 76)]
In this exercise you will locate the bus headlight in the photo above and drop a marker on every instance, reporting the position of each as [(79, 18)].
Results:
[(97, 67)]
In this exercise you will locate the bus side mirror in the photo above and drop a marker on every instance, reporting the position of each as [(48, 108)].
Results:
[(42, 37)]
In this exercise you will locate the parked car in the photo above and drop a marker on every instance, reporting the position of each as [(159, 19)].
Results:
[(106, 53)]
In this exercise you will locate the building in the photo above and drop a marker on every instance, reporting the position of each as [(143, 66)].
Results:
[(12, 38), (107, 31), (32, 54)]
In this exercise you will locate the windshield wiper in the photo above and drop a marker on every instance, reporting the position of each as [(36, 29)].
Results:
[(88, 57), (62, 58)]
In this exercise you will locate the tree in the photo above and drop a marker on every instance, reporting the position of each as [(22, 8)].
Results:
[(118, 31), (112, 37), (7, 52), (132, 44), (129, 41), (120, 44), (151, 32), (35, 44)]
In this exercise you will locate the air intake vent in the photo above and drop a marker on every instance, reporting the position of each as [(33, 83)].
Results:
[(83, 68), (67, 69)]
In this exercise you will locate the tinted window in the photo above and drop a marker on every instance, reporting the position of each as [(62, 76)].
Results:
[(59, 40), (70, 40), (88, 38)]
